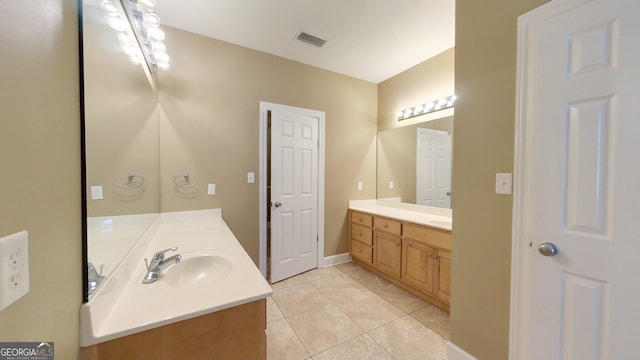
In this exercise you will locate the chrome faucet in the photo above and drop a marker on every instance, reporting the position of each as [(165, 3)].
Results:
[(159, 263), (95, 278)]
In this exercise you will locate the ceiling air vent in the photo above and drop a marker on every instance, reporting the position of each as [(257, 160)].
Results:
[(310, 39)]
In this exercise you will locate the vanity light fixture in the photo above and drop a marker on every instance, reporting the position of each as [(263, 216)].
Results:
[(427, 107), (146, 31)]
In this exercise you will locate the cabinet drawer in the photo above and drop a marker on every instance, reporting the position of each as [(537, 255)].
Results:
[(362, 234), (361, 252), (428, 236), (388, 225), (361, 218)]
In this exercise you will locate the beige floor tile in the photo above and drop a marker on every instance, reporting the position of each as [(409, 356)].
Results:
[(347, 267), (408, 339), (295, 280), (298, 298), (282, 342), (433, 318), (401, 298), (321, 273), (273, 312), (337, 285), (360, 348), (324, 327), (369, 310), (367, 278)]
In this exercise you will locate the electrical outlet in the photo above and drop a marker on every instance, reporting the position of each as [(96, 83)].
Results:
[(14, 268)]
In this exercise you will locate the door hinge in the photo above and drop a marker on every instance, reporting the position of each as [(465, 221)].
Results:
[(530, 243), (317, 238)]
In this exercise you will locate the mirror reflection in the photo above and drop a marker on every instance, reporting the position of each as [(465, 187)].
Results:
[(121, 147), (398, 163)]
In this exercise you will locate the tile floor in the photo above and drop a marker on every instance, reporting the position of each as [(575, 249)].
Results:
[(347, 312)]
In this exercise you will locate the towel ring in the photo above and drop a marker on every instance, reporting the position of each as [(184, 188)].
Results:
[(185, 175), (131, 176)]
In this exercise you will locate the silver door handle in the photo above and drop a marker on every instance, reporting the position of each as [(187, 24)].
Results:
[(277, 204), (547, 249)]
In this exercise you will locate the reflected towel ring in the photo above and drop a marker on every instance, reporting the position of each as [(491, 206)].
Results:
[(131, 176), (185, 175)]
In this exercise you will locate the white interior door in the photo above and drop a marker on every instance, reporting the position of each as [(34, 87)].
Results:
[(433, 168), (578, 184), (294, 192)]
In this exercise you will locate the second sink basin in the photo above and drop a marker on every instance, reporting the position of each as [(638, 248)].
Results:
[(197, 268)]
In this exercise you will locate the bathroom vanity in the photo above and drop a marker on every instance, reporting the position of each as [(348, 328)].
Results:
[(211, 302), (407, 244)]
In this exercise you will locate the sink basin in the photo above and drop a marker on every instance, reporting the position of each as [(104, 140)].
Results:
[(197, 268), (442, 223)]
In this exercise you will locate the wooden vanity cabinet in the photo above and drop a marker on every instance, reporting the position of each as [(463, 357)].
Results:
[(387, 250), (415, 257), (361, 236)]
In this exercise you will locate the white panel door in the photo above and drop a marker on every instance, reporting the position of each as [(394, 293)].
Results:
[(433, 168), (294, 193), (580, 191)]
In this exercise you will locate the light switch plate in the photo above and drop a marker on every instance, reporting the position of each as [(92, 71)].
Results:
[(211, 189), (359, 185), (390, 185), (251, 177), (503, 183), (14, 268), (96, 193)]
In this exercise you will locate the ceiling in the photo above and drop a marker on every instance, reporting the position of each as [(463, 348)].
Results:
[(371, 40)]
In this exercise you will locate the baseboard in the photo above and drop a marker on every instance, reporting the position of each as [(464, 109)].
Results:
[(336, 259), (456, 353)]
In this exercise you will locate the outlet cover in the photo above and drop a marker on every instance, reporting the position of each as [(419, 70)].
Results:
[(14, 268), (503, 183)]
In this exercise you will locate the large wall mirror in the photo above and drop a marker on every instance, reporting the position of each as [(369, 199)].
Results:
[(121, 132), (397, 167)]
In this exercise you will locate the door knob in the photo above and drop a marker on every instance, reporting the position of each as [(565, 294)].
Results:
[(548, 249), (277, 204)]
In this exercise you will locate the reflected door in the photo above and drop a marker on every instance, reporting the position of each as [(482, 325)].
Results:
[(433, 168)]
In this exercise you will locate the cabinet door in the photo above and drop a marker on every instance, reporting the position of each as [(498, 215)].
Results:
[(418, 265), (443, 275), (387, 253)]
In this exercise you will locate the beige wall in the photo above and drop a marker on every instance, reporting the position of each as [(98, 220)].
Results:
[(429, 80), (210, 128), (40, 162), (484, 131)]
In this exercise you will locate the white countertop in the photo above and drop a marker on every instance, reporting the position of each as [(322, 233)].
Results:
[(124, 306), (392, 208)]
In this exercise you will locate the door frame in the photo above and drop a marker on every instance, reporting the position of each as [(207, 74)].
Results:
[(520, 262), (264, 109)]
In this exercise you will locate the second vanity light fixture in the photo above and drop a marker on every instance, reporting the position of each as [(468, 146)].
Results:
[(146, 28), (426, 108)]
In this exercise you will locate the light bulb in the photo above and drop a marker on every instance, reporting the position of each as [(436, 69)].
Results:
[(125, 38), (442, 102), (430, 106), (148, 3), (449, 103), (164, 66), (151, 19), (158, 46), (408, 113), (161, 58), (130, 49), (419, 109), (156, 34), (399, 114), (135, 59), (117, 23), (109, 7), (453, 98)]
